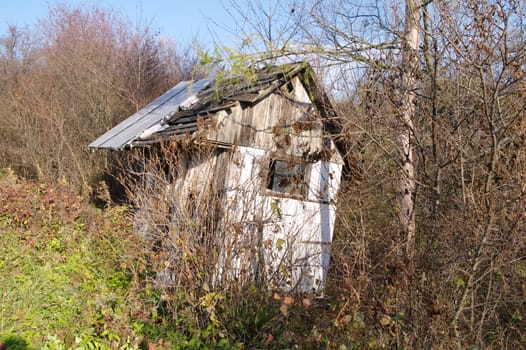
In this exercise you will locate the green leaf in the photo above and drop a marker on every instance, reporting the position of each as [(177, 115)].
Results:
[(459, 282)]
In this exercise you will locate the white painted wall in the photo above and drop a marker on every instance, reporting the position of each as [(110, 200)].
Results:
[(294, 234)]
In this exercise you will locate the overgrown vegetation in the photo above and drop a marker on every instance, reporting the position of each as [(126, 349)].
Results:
[(73, 276), (69, 272), (70, 78)]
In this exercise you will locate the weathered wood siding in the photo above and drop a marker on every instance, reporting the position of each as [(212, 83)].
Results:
[(284, 122), (282, 239)]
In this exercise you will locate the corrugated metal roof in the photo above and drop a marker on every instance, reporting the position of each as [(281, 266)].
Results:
[(151, 117)]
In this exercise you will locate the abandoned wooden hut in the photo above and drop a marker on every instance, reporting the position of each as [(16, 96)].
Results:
[(272, 161)]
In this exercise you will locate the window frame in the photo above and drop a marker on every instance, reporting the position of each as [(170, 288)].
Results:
[(293, 162)]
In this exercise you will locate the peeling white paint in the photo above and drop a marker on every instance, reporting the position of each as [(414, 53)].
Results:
[(295, 233)]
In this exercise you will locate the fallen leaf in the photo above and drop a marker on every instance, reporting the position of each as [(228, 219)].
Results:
[(385, 320), (288, 300), (268, 338), (284, 310), (306, 302), (347, 319)]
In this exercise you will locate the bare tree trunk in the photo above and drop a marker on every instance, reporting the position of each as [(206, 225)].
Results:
[(407, 184)]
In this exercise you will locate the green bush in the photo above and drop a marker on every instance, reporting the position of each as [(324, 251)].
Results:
[(68, 272), (75, 277)]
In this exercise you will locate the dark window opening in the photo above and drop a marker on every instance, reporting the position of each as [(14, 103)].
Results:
[(286, 177), (290, 87)]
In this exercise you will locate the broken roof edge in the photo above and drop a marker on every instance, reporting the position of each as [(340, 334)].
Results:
[(256, 86), (204, 96), (150, 117), (316, 92)]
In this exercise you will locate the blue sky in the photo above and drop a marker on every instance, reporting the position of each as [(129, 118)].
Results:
[(182, 20)]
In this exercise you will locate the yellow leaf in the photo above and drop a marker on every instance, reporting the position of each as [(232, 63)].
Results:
[(459, 282), (385, 320)]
